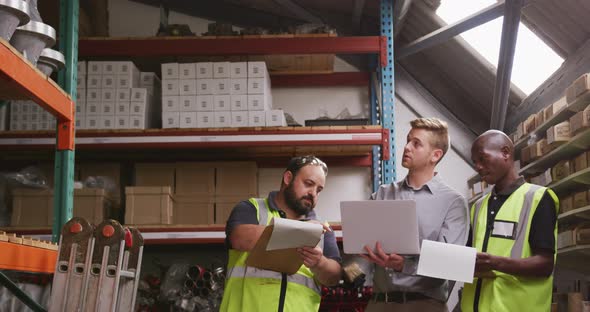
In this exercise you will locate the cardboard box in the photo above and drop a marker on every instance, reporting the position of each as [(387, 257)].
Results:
[(222, 119), (275, 118), (188, 119), (170, 87), (123, 109), (137, 122), (121, 122), (80, 108), (238, 70), (193, 209), (94, 82), (561, 170), (80, 95), (566, 204), (239, 119), (257, 70), (236, 178), (108, 95), (32, 207), (529, 124), (82, 68), (258, 85), (92, 95), (138, 109), (221, 69), (560, 133), (205, 119), (93, 204), (123, 82), (536, 149), (188, 87), (92, 122), (221, 103), (80, 122), (238, 86), (195, 178), (95, 68), (581, 162), (204, 70), (525, 155), (108, 81), (239, 102), (109, 68), (139, 95), (148, 205), (149, 79), (256, 119), (565, 239), (92, 108), (170, 71), (221, 86), (552, 109), (188, 71), (107, 122), (579, 89), (107, 109), (580, 121), (171, 103), (205, 103), (258, 102), (205, 86), (170, 120), (224, 205), (580, 199), (123, 95), (187, 103), (539, 119), (155, 174)]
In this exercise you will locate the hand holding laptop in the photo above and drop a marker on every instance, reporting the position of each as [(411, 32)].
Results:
[(380, 258)]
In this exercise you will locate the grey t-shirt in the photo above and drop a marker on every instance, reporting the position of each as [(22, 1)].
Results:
[(245, 213), (442, 216)]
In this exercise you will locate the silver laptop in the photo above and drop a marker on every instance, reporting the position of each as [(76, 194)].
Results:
[(392, 222)]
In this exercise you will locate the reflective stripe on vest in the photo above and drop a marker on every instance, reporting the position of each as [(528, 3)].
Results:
[(262, 213), (295, 278)]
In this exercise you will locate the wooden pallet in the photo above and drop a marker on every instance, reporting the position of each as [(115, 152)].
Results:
[(27, 241)]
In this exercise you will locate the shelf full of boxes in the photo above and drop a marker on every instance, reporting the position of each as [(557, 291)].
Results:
[(554, 149)]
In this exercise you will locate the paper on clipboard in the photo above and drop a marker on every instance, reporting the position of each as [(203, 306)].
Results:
[(286, 260), (289, 233), (447, 261)]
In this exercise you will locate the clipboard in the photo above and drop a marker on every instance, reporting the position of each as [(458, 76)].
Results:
[(280, 260)]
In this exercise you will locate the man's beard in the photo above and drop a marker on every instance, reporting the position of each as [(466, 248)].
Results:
[(297, 204)]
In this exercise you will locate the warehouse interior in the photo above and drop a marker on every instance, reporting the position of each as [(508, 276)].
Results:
[(159, 148)]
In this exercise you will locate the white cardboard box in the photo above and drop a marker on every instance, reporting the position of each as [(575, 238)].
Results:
[(238, 86), (171, 103), (109, 68), (258, 85), (81, 81), (107, 109), (149, 79), (123, 82), (122, 109), (94, 82), (137, 122), (204, 70), (95, 68), (221, 103), (81, 95), (108, 82), (122, 122), (257, 70), (238, 70), (239, 102), (126, 68), (108, 95), (222, 86), (239, 118), (222, 119), (188, 87), (93, 95), (221, 69), (92, 122), (205, 119), (275, 118), (129, 79), (170, 71), (205, 103), (257, 119), (205, 86), (123, 96), (258, 102), (188, 119), (107, 122), (170, 120), (188, 104), (93, 109), (138, 108), (187, 71), (170, 87), (82, 68), (139, 95)]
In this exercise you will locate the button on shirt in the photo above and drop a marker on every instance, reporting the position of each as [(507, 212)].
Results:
[(442, 216)]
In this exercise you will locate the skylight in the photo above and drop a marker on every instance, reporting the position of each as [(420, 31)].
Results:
[(534, 61)]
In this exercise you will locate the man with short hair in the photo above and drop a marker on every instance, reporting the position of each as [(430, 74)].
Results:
[(514, 229), (442, 216), (251, 289)]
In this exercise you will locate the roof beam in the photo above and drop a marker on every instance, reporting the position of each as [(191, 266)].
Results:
[(445, 33), (505, 61), (299, 11)]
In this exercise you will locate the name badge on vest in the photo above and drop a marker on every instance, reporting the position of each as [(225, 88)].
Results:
[(504, 229)]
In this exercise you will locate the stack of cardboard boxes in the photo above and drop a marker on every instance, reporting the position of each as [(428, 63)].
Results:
[(217, 94), (28, 116)]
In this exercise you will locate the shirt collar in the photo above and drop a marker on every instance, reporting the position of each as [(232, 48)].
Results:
[(431, 185), (271, 200), (511, 188)]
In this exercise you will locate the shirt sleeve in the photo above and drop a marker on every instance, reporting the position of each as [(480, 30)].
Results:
[(455, 229), (243, 213), (541, 236)]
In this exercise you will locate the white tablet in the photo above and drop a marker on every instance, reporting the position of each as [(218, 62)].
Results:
[(392, 222)]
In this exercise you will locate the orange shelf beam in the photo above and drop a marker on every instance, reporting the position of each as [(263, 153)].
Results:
[(27, 258), (20, 80)]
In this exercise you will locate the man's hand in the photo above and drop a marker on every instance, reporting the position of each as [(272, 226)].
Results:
[(484, 264), (312, 256), (380, 258)]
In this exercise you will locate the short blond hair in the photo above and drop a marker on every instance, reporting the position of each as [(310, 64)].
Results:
[(439, 129)]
